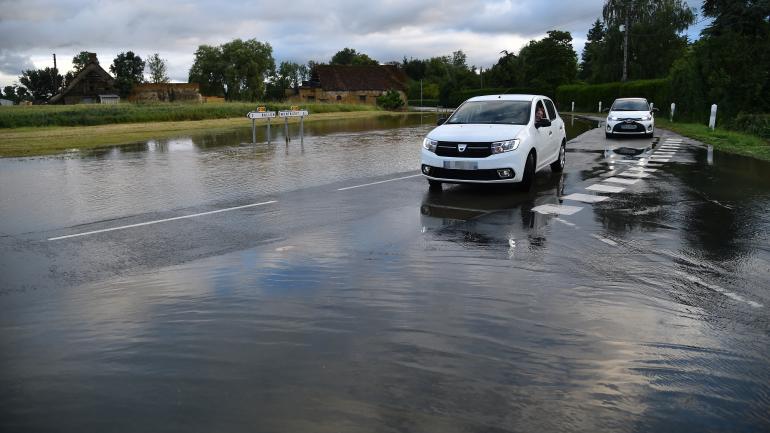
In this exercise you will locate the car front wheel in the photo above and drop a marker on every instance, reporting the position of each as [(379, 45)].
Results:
[(529, 173)]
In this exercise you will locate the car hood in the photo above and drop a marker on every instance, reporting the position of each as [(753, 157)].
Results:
[(475, 132), (628, 114)]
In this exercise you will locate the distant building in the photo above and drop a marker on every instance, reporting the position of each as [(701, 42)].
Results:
[(352, 84), (91, 85), (166, 92), (5, 102)]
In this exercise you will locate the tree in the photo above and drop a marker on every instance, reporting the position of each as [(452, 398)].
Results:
[(128, 69), (506, 72), (156, 67), (288, 76), (391, 100), (549, 62), (650, 40), (236, 70), (42, 84), (349, 56), (80, 61), (592, 51)]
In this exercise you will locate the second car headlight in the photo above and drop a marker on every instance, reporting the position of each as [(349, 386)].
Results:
[(429, 144), (505, 146), (614, 118), (646, 118)]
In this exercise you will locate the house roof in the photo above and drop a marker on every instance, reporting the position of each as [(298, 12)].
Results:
[(359, 77), (93, 66)]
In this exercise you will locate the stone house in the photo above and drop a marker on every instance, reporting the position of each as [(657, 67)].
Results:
[(354, 84), (90, 86)]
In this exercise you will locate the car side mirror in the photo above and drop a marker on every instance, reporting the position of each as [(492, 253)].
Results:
[(655, 109), (440, 121), (542, 123)]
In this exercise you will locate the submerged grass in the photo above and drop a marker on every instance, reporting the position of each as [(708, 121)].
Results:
[(97, 114), (36, 141)]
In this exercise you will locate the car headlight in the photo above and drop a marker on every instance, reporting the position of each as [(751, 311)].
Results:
[(613, 118), (505, 146), (429, 144), (646, 117)]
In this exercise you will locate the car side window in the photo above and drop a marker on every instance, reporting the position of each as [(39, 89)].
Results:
[(539, 111), (551, 109)]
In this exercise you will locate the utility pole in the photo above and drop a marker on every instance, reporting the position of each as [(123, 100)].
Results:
[(625, 46), (53, 77)]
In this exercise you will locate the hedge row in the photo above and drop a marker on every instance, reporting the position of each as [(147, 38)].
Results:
[(757, 124), (423, 102), (587, 97), (458, 97)]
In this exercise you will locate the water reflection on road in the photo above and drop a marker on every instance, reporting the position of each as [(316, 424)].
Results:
[(392, 308)]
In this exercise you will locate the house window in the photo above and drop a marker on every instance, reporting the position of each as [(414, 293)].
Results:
[(311, 98), (362, 98), (339, 98)]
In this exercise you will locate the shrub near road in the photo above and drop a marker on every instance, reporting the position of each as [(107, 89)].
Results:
[(96, 114)]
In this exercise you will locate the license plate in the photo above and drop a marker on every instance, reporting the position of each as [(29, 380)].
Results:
[(461, 165), (627, 126)]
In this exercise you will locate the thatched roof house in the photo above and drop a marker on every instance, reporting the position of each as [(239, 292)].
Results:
[(91, 85)]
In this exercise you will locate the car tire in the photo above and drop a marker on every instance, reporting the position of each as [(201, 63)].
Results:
[(434, 185), (528, 176), (558, 165), (650, 134)]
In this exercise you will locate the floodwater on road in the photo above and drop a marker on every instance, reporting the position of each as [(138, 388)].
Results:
[(348, 307)]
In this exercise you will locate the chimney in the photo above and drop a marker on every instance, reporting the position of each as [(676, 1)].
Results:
[(92, 58)]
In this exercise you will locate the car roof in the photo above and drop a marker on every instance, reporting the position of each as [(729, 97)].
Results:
[(631, 99), (506, 97)]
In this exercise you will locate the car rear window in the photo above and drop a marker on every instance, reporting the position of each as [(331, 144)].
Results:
[(494, 112), (630, 105)]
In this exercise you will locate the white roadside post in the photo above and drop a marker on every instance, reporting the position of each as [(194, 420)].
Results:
[(294, 112), (259, 114), (673, 109), (573, 106), (600, 106), (713, 117), (652, 106)]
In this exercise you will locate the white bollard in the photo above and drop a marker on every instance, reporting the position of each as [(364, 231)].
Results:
[(673, 109), (652, 106), (573, 106), (713, 117), (600, 106)]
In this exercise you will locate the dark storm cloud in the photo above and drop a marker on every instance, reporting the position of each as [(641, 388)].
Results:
[(12, 63), (299, 30)]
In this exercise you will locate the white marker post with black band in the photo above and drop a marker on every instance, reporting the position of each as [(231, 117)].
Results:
[(261, 113), (294, 112)]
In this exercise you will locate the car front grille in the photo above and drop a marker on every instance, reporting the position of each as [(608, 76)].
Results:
[(472, 150), (638, 127), (448, 173)]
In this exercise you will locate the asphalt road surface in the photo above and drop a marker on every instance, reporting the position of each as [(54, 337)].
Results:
[(323, 288)]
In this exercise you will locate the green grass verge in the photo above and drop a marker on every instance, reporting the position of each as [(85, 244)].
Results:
[(724, 140), (50, 140), (97, 114)]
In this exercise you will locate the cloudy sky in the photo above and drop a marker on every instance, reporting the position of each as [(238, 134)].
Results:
[(298, 30)]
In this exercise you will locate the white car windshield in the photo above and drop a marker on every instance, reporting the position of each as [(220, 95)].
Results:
[(493, 112), (630, 105)]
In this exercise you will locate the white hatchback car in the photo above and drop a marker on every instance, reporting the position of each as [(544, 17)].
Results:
[(630, 116), (495, 139)]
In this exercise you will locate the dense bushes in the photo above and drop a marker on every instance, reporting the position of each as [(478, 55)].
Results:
[(391, 100), (587, 97), (458, 97), (757, 124), (95, 114)]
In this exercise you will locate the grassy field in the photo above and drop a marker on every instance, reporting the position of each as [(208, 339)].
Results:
[(725, 140), (57, 139), (97, 114)]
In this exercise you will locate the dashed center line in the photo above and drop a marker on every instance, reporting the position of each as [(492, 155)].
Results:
[(377, 183), (162, 220)]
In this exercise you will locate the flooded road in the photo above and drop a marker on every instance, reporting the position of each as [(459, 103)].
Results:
[(338, 294)]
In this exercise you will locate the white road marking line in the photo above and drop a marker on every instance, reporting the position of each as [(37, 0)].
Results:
[(585, 198), (605, 240), (162, 220), (729, 294), (634, 174), (605, 188), (566, 223), (377, 183), (623, 181), (555, 209), (642, 170)]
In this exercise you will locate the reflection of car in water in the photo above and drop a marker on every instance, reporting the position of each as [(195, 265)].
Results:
[(495, 139), (630, 116), (469, 202)]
